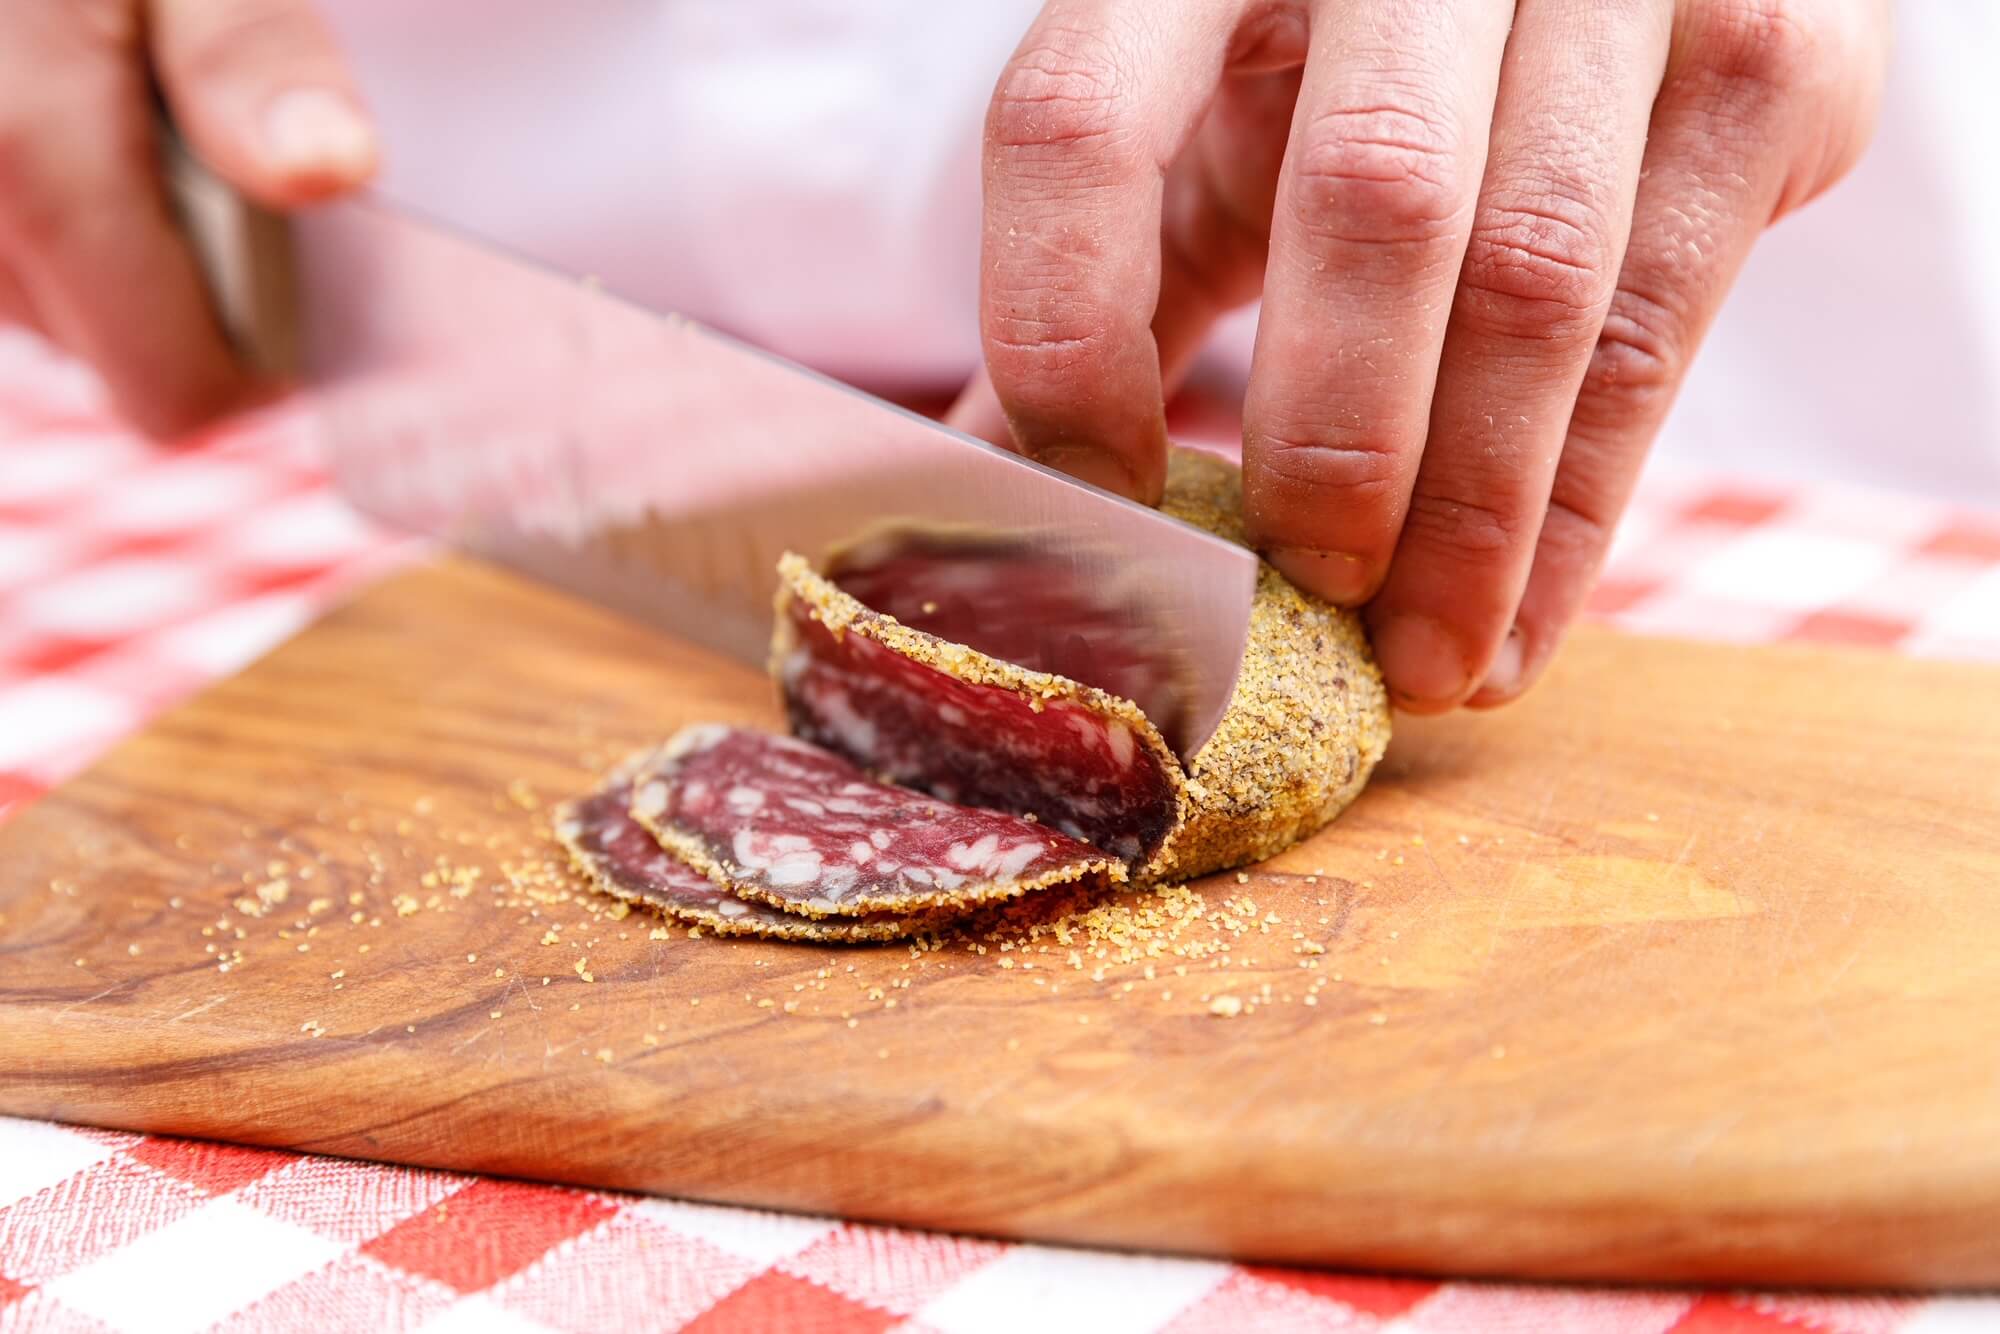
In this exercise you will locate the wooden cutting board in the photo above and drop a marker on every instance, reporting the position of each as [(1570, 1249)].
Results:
[(1688, 967)]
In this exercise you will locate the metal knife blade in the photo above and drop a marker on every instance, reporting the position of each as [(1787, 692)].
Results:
[(660, 468)]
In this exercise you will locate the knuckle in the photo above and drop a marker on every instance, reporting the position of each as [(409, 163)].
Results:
[(1296, 470), (1381, 174), (1035, 351), (1464, 529), (1049, 314), (1540, 268), (1637, 362), (1575, 533), (1764, 48), (1368, 471), (1036, 361), (1066, 90)]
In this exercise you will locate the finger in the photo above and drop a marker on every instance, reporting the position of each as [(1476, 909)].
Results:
[(1372, 211), (1098, 99), (977, 412), (1715, 175), (1554, 213), (1216, 218), (1216, 215), (261, 93), (86, 228)]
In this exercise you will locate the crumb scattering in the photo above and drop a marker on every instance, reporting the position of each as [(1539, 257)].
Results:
[(1240, 956)]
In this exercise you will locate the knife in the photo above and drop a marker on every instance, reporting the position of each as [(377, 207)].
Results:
[(660, 468)]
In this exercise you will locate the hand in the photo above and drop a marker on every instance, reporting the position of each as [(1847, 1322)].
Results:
[(1488, 236), (90, 254)]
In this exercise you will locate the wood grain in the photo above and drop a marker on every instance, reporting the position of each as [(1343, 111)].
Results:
[(1685, 968)]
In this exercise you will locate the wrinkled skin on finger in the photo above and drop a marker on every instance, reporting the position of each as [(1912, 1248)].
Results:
[(1488, 237)]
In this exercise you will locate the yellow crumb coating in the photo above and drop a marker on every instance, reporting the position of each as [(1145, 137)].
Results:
[(1309, 719), (1303, 731)]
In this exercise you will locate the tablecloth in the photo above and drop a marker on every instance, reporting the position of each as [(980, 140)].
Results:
[(131, 575)]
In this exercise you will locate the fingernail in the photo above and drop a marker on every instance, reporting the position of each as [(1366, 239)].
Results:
[(317, 132), (1337, 576), (1424, 663), (1503, 678)]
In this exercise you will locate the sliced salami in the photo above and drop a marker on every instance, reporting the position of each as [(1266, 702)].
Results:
[(969, 728), (619, 857), (1020, 603), (1307, 723), (1026, 778), (798, 828)]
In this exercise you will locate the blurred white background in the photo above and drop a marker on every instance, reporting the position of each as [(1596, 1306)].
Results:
[(1863, 342), (810, 180)]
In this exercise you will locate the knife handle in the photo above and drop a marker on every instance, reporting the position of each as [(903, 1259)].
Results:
[(244, 252)]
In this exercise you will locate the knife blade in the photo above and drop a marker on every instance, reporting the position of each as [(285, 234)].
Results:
[(661, 468)]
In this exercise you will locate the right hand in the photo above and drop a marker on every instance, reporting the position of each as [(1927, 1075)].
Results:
[(90, 252)]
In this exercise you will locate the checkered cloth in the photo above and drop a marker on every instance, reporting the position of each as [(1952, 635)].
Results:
[(130, 575)]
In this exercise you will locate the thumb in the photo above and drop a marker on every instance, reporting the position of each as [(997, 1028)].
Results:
[(261, 94)]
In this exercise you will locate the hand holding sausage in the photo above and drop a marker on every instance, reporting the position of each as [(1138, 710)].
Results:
[(1488, 236)]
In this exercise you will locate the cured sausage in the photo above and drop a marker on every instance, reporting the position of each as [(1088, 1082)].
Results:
[(791, 825), (1307, 723), (929, 780), (616, 854)]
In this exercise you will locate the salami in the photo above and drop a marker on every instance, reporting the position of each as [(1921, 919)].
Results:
[(616, 854), (1306, 725), (930, 781), (964, 727), (1018, 603), (795, 827)]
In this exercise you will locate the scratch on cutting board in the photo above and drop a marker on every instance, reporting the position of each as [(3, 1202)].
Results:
[(75, 1004), (653, 991), (203, 1008), (1541, 820), (465, 1042), (1687, 848), (514, 983), (1438, 869), (1832, 980)]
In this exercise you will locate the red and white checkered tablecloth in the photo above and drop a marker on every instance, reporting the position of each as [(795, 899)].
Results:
[(130, 575)]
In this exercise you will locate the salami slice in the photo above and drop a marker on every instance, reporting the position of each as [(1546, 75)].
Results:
[(618, 856), (1019, 603), (935, 715), (800, 829), (1306, 725)]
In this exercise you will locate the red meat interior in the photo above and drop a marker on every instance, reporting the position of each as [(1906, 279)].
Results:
[(1075, 770)]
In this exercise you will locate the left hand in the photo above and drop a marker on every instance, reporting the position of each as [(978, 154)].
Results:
[(1488, 234)]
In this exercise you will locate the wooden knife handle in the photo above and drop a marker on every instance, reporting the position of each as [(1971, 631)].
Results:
[(245, 255)]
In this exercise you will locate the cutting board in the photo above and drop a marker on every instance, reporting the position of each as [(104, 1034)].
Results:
[(1687, 967)]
